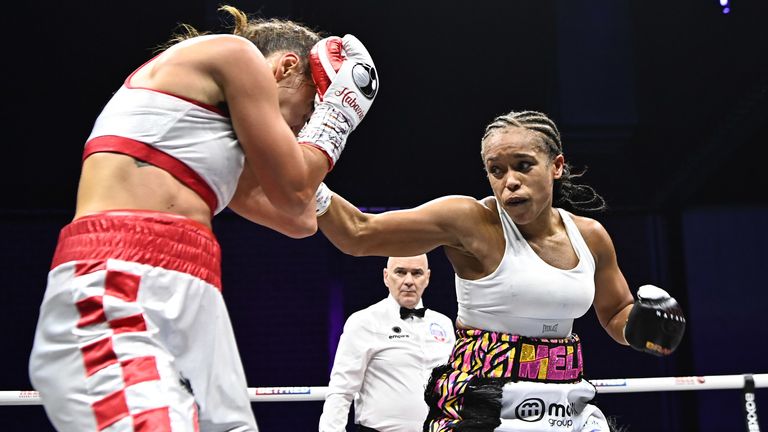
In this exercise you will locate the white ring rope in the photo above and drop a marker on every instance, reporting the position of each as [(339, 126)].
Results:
[(709, 382), (616, 385)]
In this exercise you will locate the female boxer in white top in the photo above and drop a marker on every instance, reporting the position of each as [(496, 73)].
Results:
[(524, 271)]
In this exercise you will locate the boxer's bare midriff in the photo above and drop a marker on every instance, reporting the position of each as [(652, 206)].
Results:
[(111, 181), (462, 326)]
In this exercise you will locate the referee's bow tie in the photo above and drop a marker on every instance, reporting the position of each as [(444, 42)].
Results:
[(405, 312)]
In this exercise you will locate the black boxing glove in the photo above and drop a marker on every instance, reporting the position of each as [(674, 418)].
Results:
[(656, 323)]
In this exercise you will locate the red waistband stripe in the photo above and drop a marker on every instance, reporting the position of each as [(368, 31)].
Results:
[(156, 239)]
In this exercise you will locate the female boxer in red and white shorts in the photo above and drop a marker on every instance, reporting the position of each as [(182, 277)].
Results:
[(133, 332)]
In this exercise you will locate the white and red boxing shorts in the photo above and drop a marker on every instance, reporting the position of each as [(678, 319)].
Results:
[(133, 333)]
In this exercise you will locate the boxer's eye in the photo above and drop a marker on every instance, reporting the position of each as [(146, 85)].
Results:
[(524, 166), (494, 171)]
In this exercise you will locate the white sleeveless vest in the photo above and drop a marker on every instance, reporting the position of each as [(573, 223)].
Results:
[(203, 149), (525, 295)]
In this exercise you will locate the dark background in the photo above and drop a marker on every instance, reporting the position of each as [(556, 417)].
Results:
[(665, 102)]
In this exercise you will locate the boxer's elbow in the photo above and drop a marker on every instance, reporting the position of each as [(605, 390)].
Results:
[(294, 204), (301, 233), (301, 227)]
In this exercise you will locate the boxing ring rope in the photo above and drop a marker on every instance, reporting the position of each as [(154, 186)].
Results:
[(615, 385)]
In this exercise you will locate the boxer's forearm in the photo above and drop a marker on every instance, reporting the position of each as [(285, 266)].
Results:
[(615, 327)]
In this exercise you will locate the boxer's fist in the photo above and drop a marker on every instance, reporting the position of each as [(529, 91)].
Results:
[(347, 83), (345, 76), (656, 323)]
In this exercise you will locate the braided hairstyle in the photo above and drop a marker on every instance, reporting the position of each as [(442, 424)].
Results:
[(579, 197), (269, 35)]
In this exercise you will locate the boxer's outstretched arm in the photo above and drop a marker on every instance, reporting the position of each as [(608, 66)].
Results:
[(446, 221)]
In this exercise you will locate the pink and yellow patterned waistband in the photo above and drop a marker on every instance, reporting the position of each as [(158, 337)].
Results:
[(490, 354)]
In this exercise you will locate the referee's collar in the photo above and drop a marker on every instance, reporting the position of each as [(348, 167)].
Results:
[(395, 306)]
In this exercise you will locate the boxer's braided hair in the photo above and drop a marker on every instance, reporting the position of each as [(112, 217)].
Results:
[(578, 196), (269, 35)]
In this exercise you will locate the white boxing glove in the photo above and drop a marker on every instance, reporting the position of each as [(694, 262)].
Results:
[(347, 83)]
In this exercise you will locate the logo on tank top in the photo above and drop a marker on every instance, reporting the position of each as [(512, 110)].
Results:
[(549, 328), (438, 333)]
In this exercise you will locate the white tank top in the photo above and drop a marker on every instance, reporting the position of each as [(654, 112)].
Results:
[(204, 152), (525, 295)]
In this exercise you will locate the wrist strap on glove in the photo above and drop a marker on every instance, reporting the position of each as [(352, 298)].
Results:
[(322, 199), (327, 130)]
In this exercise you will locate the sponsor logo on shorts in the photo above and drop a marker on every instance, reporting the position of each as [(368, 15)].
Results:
[(530, 410), (534, 409)]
